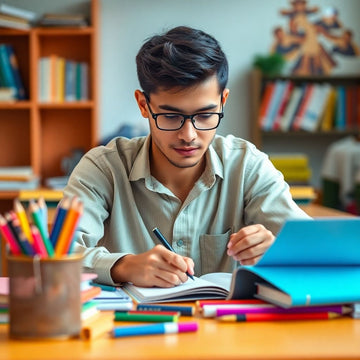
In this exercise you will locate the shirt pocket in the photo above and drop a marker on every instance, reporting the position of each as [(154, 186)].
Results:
[(213, 253)]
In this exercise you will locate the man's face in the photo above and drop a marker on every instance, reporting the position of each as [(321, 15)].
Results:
[(183, 148)]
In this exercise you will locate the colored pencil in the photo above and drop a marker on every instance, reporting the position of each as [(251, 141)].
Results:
[(25, 226), (69, 226), (26, 247), (339, 309), (183, 310), (145, 317), (278, 317), (44, 213), (39, 222), (39, 245), (9, 237), (165, 243), (61, 212), (153, 329)]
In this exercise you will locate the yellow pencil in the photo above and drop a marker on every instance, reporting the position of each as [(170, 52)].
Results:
[(69, 227), (25, 226)]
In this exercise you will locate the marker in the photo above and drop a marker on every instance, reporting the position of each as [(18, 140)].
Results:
[(278, 317), (162, 239), (145, 317), (277, 310), (183, 310), (201, 303), (212, 310), (153, 329)]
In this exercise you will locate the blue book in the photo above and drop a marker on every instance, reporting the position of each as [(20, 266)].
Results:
[(312, 262), (19, 85)]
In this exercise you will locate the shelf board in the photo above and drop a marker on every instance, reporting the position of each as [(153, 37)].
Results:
[(306, 133), (15, 104), (67, 105), (63, 31)]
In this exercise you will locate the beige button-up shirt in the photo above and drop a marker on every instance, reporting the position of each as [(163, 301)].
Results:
[(123, 202)]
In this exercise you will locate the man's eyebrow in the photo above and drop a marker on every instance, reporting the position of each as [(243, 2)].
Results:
[(175, 109)]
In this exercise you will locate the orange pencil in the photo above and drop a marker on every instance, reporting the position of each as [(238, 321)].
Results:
[(69, 227), (278, 317), (20, 212)]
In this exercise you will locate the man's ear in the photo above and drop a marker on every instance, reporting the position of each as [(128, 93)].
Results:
[(141, 101), (225, 95)]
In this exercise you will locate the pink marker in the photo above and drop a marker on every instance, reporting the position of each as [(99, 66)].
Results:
[(160, 328)]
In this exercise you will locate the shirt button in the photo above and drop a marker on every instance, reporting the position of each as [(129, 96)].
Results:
[(180, 243)]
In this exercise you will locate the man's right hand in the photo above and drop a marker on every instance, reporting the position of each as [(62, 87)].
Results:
[(156, 267)]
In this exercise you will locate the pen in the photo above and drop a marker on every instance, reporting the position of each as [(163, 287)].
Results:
[(183, 310), (162, 239), (278, 317), (160, 328)]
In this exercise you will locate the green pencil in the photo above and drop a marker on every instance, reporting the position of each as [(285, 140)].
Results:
[(38, 220)]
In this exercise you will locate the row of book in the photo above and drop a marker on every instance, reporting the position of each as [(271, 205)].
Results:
[(11, 83), (287, 106), (62, 80), (18, 18)]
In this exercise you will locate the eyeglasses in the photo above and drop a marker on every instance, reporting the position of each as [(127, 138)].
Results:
[(174, 121)]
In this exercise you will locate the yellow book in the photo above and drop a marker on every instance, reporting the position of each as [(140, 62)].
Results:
[(297, 175), (327, 121), (282, 161)]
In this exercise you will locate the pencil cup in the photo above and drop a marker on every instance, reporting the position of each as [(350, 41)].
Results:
[(45, 298)]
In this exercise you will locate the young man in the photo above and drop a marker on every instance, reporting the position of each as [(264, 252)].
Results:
[(217, 200)]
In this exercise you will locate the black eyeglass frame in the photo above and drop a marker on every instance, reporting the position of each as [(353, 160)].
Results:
[(191, 117)]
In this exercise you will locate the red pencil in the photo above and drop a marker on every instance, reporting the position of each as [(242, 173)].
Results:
[(279, 317)]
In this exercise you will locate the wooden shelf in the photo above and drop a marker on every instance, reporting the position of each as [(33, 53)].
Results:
[(41, 134)]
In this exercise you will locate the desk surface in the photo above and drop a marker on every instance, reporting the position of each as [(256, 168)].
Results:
[(331, 339)]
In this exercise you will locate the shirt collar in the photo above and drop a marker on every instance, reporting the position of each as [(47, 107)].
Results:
[(141, 166)]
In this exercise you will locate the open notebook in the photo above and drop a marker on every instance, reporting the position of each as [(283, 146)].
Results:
[(209, 286)]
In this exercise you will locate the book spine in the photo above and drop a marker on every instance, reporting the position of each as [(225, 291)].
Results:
[(283, 104), (303, 106), (6, 68), (70, 80), (20, 89)]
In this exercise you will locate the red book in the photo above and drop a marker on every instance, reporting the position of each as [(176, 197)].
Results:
[(265, 102), (283, 104), (302, 108), (90, 293)]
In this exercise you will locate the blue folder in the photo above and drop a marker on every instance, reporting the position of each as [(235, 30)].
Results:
[(312, 262)]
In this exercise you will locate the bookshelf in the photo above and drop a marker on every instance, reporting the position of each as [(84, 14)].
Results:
[(40, 134), (312, 143)]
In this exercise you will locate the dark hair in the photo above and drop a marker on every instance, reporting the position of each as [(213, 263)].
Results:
[(181, 57)]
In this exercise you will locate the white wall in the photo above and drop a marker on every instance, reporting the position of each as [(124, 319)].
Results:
[(243, 27)]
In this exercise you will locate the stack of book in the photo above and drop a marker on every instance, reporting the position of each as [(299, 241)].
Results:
[(11, 84), (16, 18), (63, 79), (18, 178), (73, 20), (294, 166)]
